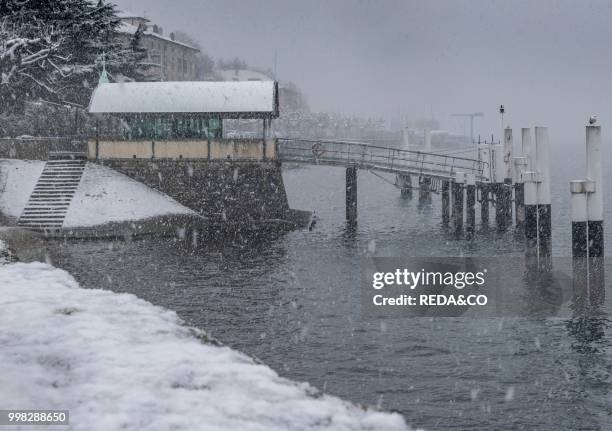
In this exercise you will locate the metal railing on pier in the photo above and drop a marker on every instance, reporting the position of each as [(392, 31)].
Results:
[(375, 158)]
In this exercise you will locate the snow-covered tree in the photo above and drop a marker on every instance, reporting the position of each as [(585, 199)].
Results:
[(53, 50)]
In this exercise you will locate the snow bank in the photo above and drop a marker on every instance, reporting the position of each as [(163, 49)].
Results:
[(17, 180), (105, 196), (118, 362)]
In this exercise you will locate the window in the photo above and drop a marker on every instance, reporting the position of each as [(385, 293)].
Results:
[(169, 127)]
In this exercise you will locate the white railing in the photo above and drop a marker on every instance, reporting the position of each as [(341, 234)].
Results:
[(372, 157)]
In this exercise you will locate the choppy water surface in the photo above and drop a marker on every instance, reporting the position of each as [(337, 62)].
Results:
[(295, 304)]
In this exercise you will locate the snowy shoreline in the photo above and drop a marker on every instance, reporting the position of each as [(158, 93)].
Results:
[(118, 362)]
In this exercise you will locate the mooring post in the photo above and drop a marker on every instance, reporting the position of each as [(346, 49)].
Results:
[(520, 166), (579, 219), (544, 197), (595, 198), (484, 205), (351, 195), (501, 213), (470, 200), (509, 173), (530, 181), (458, 202), (587, 228), (445, 202), (519, 192), (484, 157)]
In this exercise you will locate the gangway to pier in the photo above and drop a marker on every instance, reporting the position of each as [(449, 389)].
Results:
[(376, 158)]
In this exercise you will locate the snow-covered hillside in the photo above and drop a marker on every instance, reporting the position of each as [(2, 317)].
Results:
[(17, 181), (117, 362), (105, 195)]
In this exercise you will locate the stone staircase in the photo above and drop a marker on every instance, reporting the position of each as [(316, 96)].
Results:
[(53, 193)]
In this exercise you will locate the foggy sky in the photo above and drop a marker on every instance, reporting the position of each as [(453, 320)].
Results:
[(548, 62)]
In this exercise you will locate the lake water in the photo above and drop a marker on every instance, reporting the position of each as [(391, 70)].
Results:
[(295, 304)]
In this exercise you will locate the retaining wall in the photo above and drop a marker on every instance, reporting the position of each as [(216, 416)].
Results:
[(38, 148)]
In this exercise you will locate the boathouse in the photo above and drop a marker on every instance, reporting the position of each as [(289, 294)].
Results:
[(180, 120), (169, 136)]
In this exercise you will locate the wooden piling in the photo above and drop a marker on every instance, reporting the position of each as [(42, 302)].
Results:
[(405, 184), (484, 205), (458, 196), (351, 195), (445, 203), (470, 200), (424, 189)]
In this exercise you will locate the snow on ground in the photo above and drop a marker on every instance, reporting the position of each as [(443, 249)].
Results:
[(103, 196), (106, 195), (117, 362), (17, 180)]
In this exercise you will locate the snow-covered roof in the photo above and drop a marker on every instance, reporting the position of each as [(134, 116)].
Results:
[(226, 99), (124, 14)]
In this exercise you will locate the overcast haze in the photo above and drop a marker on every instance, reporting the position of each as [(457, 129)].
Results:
[(548, 62)]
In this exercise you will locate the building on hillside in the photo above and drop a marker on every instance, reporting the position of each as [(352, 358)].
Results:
[(169, 59)]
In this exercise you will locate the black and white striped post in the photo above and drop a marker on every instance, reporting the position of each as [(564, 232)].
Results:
[(544, 197), (521, 164), (587, 227), (470, 202), (538, 204), (484, 156), (508, 174), (499, 186), (595, 198), (530, 181)]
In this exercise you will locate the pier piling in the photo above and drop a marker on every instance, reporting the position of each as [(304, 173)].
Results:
[(508, 174), (595, 198), (499, 188), (405, 184), (470, 200), (458, 202), (531, 218), (445, 203), (484, 205), (587, 228), (521, 165), (544, 198), (424, 189), (351, 195), (537, 203), (519, 192)]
